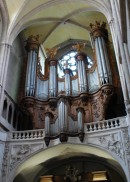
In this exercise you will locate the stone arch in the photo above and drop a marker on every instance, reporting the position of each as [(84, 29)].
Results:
[(67, 151), (5, 20), (22, 24)]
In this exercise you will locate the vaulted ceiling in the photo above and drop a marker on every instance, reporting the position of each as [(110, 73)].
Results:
[(56, 21)]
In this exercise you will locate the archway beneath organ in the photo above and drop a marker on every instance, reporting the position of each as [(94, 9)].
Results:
[(58, 160)]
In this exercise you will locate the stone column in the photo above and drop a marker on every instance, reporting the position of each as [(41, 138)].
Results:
[(120, 69), (53, 78), (4, 61), (100, 36), (118, 35), (82, 78), (32, 48), (67, 81)]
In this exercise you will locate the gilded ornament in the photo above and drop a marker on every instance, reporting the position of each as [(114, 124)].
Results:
[(78, 46), (51, 52)]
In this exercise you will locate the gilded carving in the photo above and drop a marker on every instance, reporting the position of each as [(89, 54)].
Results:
[(33, 42), (99, 30), (52, 52), (78, 46)]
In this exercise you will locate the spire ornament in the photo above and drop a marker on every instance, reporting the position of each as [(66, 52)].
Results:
[(33, 42), (99, 30)]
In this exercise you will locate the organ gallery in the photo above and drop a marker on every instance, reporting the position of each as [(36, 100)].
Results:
[(62, 105)]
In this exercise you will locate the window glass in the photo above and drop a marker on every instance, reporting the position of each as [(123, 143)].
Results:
[(42, 60), (68, 61)]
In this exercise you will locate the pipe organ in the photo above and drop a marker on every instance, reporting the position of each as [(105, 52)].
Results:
[(63, 105)]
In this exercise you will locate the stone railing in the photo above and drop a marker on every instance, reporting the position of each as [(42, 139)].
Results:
[(88, 127), (27, 135), (106, 124)]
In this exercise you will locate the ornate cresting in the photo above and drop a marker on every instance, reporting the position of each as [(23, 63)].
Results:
[(32, 47), (100, 35)]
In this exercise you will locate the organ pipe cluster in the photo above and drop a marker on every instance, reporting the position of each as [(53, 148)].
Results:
[(64, 123), (32, 50), (100, 36)]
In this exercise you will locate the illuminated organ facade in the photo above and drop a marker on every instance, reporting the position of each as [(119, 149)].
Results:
[(63, 105)]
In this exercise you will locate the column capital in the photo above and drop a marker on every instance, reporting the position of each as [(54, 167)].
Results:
[(5, 44), (32, 43), (99, 30)]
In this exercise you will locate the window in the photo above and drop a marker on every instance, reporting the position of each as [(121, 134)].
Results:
[(68, 61), (42, 60)]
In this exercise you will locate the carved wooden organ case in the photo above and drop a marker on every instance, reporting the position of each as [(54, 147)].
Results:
[(63, 105)]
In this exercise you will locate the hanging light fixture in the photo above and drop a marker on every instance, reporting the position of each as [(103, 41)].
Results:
[(72, 174)]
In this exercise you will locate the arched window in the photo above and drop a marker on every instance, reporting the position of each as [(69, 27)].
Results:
[(68, 60), (14, 119), (4, 109), (10, 114)]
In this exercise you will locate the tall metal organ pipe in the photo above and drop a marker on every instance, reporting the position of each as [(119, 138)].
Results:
[(100, 36), (82, 77), (62, 115), (67, 81), (32, 48), (53, 78), (48, 117), (80, 112)]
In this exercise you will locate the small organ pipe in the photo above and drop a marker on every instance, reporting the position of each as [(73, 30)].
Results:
[(80, 112), (67, 81), (81, 57), (102, 60), (99, 61), (107, 61), (62, 115)]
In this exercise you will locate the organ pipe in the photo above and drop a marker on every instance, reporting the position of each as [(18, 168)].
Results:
[(53, 78), (100, 35), (67, 81), (48, 117), (32, 49), (82, 79), (62, 115), (80, 112)]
